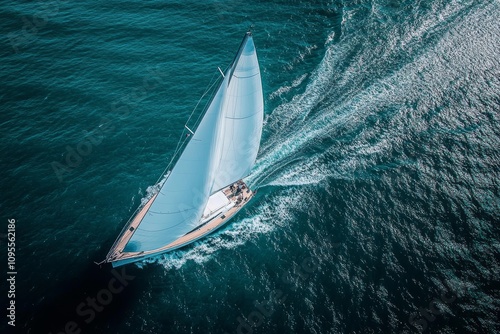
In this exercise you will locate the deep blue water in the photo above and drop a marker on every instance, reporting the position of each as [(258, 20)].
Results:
[(378, 175)]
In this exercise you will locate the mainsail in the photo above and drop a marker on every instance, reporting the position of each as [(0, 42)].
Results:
[(242, 117), (221, 151)]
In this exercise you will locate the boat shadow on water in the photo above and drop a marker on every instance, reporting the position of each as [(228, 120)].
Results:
[(90, 301)]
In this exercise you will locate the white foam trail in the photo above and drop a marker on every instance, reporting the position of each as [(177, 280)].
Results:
[(285, 89), (421, 80), (303, 174), (301, 56), (284, 144), (281, 161), (330, 38), (152, 190)]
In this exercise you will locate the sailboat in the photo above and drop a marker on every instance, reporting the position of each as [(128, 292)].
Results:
[(205, 187)]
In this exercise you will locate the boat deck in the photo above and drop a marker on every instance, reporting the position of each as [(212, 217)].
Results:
[(239, 198)]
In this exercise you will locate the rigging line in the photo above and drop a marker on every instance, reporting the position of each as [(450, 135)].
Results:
[(209, 86), (211, 97), (205, 108), (182, 137), (222, 73), (208, 102), (177, 149)]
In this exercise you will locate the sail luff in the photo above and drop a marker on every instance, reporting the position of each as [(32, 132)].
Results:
[(238, 53)]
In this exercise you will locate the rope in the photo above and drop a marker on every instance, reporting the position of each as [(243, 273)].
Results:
[(210, 85), (183, 138)]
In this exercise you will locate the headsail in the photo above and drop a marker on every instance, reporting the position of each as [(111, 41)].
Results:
[(181, 200)]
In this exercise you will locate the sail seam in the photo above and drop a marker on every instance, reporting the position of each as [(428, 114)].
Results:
[(242, 117), (250, 76), (168, 213)]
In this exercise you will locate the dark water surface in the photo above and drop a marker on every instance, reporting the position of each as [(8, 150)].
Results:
[(378, 173)]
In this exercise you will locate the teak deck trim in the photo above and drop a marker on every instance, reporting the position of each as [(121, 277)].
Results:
[(117, 254)]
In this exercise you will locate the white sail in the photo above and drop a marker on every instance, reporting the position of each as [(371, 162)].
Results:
[(181, 200), (221, 151), (243, 114)]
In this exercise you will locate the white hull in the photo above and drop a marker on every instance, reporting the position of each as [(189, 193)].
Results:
[(208, 224)]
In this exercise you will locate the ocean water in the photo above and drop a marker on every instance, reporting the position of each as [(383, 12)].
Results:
[(378, 174)]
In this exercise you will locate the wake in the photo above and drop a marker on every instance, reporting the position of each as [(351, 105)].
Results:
[(361, 126)]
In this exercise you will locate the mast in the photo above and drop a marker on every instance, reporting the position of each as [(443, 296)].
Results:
[(238, 54), (203, 164)]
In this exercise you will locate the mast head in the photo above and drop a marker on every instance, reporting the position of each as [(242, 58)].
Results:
[(249, 30)]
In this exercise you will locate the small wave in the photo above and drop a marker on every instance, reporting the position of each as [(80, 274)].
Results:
[(152, 190), (285, 89), (301, 56), (330, 38)]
